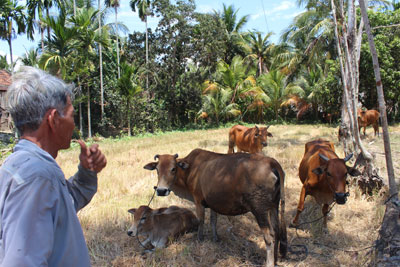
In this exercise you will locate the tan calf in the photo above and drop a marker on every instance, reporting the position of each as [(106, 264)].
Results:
[(250, 140), (160, 225)]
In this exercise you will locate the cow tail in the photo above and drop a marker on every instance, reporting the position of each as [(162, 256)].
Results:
[(282, 223)]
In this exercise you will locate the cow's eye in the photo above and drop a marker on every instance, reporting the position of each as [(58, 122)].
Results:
[(143, 219), (173, 169), (327, 173)]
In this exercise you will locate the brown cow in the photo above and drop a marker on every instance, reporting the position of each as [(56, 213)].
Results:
[(228, 184), (367, 118), (323, 175), (160, 225), (250, 140)]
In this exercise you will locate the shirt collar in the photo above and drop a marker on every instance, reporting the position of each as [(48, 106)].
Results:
[(29, 146)]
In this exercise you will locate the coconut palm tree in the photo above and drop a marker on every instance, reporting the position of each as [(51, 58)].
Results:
[(12, 15), (128, 87), (275, 84), (233, 26), (59, 48), (217, 103), (88, 34), (115, 4), (258, 49), (143, 9), (31, 58)]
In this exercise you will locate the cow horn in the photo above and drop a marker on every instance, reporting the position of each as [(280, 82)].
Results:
[(156, 157), (267, 127), (176, 156), (348, 157), (323, 157), (255, 126)]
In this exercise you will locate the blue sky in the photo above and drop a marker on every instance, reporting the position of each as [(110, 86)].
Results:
[(264, 16)]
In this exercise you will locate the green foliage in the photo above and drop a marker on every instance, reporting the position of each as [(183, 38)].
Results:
[(387, 42)]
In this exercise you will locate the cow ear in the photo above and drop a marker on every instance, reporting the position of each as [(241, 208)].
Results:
[(318, 171), (183, 165), (132, 211), (150, 166), (269, 134), (353, 171)]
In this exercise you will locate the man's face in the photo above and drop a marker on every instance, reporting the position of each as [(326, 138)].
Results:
[(66, 126)]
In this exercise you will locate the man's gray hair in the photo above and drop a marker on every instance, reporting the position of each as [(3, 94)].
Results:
[(32, 93)]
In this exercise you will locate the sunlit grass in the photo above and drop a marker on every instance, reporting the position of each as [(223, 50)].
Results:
[(124, 184)]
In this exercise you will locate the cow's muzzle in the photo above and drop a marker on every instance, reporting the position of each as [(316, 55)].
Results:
[(163, 191), (264, 144), (130, 233), (341, 198)]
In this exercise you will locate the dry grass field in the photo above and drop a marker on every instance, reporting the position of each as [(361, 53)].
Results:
[(124, 184)]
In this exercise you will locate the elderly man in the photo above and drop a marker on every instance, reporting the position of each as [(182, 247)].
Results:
[(38, 206)]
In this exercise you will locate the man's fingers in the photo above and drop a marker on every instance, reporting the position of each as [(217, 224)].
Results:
[(84, 149)]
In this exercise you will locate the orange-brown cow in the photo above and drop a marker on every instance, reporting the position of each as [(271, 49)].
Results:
[(367, 118), (160, 225), (323, 175), (250, 140), (228, 184)]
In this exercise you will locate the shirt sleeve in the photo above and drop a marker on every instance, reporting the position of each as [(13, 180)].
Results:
[(82, 187), (28, 223)]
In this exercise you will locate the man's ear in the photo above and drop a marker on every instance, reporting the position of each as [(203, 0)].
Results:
[(318, 171), (132, 211), (183, 165), (52, 117), (150, 166)]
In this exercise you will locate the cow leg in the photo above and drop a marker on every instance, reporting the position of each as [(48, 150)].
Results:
[(231, 146), (200, 216), (365, 127), (300, 206), (325, 211), (268, 222), (213, 221), (376, 129)]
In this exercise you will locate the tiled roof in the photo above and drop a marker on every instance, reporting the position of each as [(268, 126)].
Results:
[(5, 80)]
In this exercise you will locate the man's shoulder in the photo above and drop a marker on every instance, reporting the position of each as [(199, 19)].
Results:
[(23, 166)]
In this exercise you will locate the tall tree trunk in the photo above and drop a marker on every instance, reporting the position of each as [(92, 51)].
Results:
[(80, 108), (48, 28), (42, 37), (89, 115), (147, 57), (129, 116), (389, 240), (370, 180), (11, 54), (101, 66), (116, 26)]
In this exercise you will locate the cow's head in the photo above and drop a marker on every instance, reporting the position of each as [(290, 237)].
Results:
[(261, 135), (167, 168), (141, 221), (335, 171)]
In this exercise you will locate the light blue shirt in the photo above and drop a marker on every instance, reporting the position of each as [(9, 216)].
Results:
[(38, 221)]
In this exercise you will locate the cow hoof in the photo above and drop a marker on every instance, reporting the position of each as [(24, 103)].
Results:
[(216, 239), (200, 238)]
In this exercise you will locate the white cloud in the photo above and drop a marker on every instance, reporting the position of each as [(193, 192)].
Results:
[(290, 16), (205, 9), (276, 11), (285, 5)]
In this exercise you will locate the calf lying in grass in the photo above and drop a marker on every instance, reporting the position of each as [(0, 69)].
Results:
[(160, 225)]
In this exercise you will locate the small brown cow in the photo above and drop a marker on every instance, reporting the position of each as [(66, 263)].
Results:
[(323, 175), (246, 139), (229, 184), (160, 225), (367, 118)]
